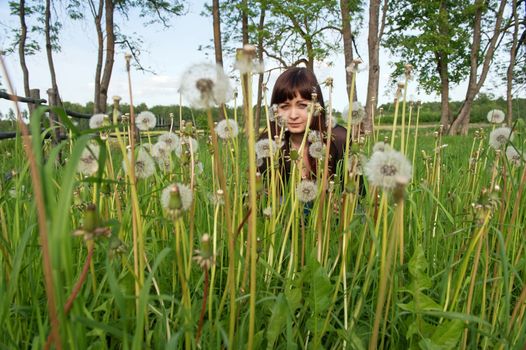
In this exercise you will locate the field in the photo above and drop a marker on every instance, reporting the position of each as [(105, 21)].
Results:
[(126, 259)]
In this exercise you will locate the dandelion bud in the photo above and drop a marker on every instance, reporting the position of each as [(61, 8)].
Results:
[(329, 82), (314, 96), (206, 250), (331, 186), (259, 182), (90, 222), (175, 202), (294, 155)]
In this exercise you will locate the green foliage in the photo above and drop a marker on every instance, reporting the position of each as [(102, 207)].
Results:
[(426, 33)]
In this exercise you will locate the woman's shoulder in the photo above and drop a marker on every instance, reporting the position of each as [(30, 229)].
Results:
[(339, 134)]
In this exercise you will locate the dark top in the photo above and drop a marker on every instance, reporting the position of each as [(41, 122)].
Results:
[(336, 152)]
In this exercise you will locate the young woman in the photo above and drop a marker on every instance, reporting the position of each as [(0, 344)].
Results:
[(297, 94)]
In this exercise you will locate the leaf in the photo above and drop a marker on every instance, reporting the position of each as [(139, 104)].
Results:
[(448, 334), (417, 268), (277, 321), (319, 298), (293, 296)]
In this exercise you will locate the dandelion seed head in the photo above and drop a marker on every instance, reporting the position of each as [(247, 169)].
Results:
[(514, 156), (267, 212), (388, 169), (227, 129), (145, 121), (357, 114), (499, 137), (89, 160), (186, 144), (496, 116), (99, 120), (205, 85), (314, 136), (317, 150), (331, 122), (144, 164), (170, 140), (306, 191), (185, 193), (263, 148), (381, 147)]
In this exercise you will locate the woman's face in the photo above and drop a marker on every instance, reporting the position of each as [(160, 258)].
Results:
[(295, 112)]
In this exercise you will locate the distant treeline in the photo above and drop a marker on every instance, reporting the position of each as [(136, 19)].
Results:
[(429, 112)]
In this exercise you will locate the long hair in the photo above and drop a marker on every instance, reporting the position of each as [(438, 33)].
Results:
[(302, 81)]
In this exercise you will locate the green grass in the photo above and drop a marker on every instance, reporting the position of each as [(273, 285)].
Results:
[(458, 284)]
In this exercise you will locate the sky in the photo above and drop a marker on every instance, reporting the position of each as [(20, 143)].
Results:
[(168, 52)]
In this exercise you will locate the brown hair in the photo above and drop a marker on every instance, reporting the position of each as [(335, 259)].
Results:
[(302, 81)]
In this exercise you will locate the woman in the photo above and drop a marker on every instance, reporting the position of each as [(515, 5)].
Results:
[(292, 100)]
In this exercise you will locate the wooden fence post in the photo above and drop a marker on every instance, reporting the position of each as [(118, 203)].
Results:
[(53, 120), (35, 95)]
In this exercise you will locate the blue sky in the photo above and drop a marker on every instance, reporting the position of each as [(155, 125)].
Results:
[(168, 52)]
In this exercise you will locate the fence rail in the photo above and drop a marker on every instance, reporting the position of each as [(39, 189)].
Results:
[(36, 101)]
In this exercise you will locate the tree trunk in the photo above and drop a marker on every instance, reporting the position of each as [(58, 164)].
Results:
[(373, 45), (443, 71), (310, 54), (97, 15), (110, 56), (509, 73), (49, 50), (218, 47), (244, 21), (445, 114), (260, 58), (217, 32), (22, 49), (461, 123), (347, 39)]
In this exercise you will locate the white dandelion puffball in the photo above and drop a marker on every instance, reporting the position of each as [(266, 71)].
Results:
[(388, 169), (227, 129), (357, 114), (263, 148), (184, 192), (186, 143), (205, 85), (306, 191), (89, 160), (317, 150), (161, 153), (514, 157), (496, 116), (331, 122), (145, 121), (267, 212), (314, 136), (170, 139), (98, 121), (381, 147), (144, 164), (500, 137)]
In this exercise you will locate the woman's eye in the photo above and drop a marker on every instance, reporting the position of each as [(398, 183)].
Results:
[(283, 106), (303, 105)]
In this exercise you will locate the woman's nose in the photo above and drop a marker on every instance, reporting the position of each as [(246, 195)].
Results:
[(293, 113)]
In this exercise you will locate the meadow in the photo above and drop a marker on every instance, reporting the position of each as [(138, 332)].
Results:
[(118, 238)]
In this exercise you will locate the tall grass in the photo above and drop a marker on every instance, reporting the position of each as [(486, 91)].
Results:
[(440, 265)]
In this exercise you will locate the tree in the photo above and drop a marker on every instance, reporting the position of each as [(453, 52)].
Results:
[(376, 31), (433, 36), (109, 37), (50, 32), (479, 58)]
